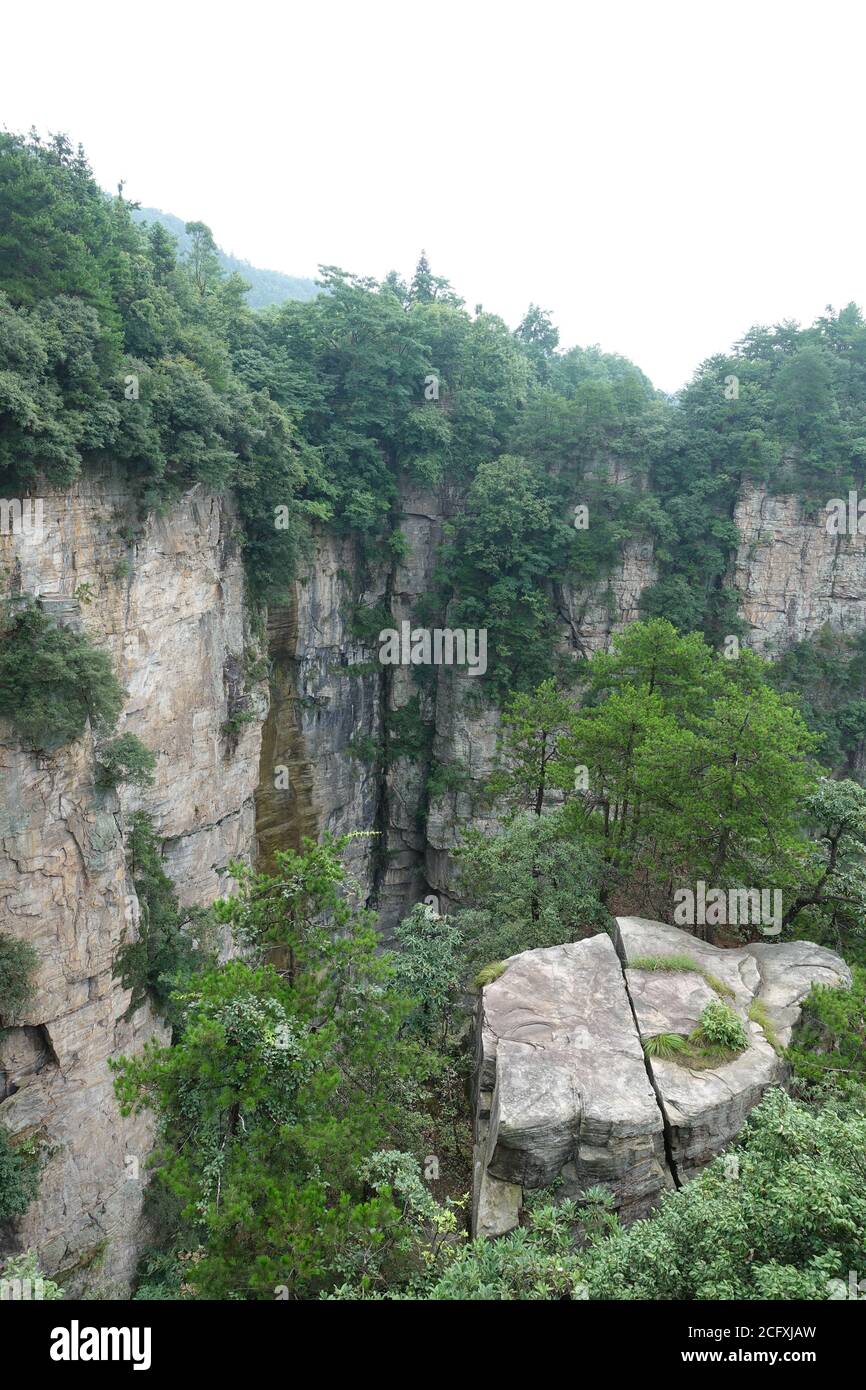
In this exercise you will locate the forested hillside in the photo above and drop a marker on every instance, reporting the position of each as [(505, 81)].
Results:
[(313, 1123), (265, 286)]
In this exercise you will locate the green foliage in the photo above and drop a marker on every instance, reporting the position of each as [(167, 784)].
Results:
[(52, 681), (718, 1038), (291, 1067), (446, 778), (427, 968), (721, 1028), (829, 905), (489, 973), (110, 347), (529, 886), (681, 963), (759, 1014), (171, 944), (828, 672), (125, 759), (264, 287), (25, 1268), (785, 411), (19, 1178), (531, 728), (830, 1042), (666, 1046), (18, 963), (408, 733), (697, 769), (792, 1222)]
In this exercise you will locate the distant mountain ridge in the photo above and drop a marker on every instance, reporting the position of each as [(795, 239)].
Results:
[(266, 286)]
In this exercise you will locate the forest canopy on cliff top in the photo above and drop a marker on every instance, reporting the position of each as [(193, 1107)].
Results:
[(113, 348)]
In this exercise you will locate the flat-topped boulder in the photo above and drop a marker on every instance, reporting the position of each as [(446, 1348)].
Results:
[(563, 1086), (567, 1091), (706, 1106)]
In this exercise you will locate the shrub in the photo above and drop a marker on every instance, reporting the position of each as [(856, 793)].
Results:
[(720, 1028), (164, 953), (52, 680), (18, 961), (25, 1267), (789, 1227), (19, 1179), (830, 1043), (125, 759)]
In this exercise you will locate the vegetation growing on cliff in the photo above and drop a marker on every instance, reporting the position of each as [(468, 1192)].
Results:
[(52, 680), (170, 944), (18, 962), (311, 1082), (19, 1177)]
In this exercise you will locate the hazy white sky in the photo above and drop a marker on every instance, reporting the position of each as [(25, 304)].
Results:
[(660, 175)]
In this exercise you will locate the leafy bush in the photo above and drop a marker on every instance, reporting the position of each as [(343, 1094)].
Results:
[(531, 885), (721, 1028), (25, 1267), (427, 968), (19, 1179), (165, 952), (52, 680), (790, 1224), (125, 759), (830, 1042), (18, 961)]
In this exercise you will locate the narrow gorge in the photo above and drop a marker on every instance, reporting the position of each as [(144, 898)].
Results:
[(167, 598)]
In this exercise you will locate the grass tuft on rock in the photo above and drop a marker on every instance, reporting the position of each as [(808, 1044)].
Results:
[(681, 963)]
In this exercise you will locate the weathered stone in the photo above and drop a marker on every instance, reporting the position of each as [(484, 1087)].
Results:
[(559, 1038), (705, 1109), (166, 600), (572, 1097)]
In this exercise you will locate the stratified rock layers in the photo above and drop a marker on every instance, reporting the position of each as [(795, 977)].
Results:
[(166, 600), (563, 1088)]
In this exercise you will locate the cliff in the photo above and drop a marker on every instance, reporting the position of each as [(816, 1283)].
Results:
[(325, 748), (166, 599)]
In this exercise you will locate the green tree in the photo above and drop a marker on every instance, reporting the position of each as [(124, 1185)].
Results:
[(532, 885), (290, 1068), (532, 726)]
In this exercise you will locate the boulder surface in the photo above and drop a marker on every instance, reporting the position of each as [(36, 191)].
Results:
[(565, 1092)]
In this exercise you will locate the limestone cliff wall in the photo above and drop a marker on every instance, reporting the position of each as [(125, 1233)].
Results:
[(792, 575), (166, 599)]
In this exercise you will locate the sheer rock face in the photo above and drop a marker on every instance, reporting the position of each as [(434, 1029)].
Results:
[(564, 1090), (166, 600), (792, 575)]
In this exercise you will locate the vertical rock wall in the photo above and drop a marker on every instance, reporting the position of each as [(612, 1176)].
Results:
[(166, 599)]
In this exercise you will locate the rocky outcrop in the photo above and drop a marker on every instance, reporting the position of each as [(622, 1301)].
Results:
[(317, 774), (704, 1109), (565, 1092), (324, 751), (166, 599)]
